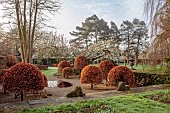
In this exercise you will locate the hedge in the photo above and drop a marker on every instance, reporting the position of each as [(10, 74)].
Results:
[(54, 65), (42, 67), (145, 78)]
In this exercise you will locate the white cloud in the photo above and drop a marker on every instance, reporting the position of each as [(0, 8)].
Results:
[(74, 12)]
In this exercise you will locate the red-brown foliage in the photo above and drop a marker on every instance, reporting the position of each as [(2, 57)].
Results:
[(2, 63), (11, 60), (54, 65), (105, 67), (80, 62), (42, 67), (121, 73), (62, 65), (2, 72), (67, 71), (45, 80), (23, 77), (91, 75)]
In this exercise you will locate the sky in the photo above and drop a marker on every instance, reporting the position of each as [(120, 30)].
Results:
[(74, 12)]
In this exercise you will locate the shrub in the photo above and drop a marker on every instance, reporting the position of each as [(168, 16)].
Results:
[(54, 65), (2, 72), (11, 60), (62, 65), (167, 61), (105, 67), (80, 62), (121, 73), (2, 63), (23, 77), (42, 67), (67, 71), (145, 78), (45, 80), (91, 75)]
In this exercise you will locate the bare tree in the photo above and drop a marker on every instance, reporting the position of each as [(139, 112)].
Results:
[(154, 10), (28, 15), (159, 13)]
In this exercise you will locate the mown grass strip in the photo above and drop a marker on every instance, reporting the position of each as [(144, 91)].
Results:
[(133, 103)]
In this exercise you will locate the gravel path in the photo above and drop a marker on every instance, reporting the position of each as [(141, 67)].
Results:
[(18, 106)]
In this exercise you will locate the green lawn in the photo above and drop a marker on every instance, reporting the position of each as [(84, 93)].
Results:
[(51, 71), (149, 68), (133, 103)]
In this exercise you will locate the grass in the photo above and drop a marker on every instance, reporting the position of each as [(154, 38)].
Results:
[(148, 68), (51, 71), (133, 103)]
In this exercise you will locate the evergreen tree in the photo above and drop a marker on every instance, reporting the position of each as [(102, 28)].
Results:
[(140, 37), (126, 29)]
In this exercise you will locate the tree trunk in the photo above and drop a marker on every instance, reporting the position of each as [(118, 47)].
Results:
[(22, 96), (106, 82), (4, 91), (19, 29), (86, 43), (24, 32), (29, 34), (137, 51), (128, 51), (91, 86), (96, 37), (33, 31), (125, 62)]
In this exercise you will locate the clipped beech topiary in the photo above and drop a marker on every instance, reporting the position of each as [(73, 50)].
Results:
[(23, 77), (105, 67), (2, 72), (62, 65), (91, 75), (11, 60), (80, 62), (45, 80), (2, 63), (121, 73), (67, 71)]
